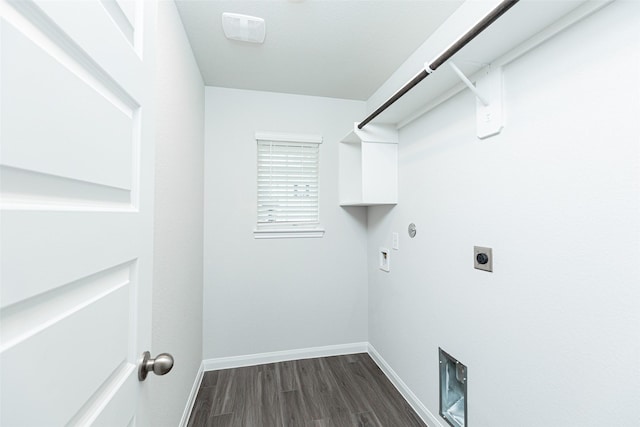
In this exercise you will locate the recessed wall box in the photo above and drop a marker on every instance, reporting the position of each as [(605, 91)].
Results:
[(453, 390), (384, 261)]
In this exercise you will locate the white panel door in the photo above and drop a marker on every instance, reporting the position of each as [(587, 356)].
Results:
[(76, 184)]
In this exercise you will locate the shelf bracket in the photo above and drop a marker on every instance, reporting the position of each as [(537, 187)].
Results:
[(488, 92)]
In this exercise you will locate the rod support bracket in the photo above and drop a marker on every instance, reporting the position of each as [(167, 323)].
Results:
[(489, 116), (468, 83), (488, 92)]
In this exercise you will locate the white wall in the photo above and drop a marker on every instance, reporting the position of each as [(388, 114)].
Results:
[(277, 294), (550, 337), (177, 276)]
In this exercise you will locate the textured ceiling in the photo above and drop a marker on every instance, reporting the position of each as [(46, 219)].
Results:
[(332, 48)]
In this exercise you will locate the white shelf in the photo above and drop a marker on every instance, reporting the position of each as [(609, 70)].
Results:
[(367, 203), (369, 166)]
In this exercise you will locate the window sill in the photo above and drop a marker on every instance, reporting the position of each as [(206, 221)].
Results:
[(288, 233)]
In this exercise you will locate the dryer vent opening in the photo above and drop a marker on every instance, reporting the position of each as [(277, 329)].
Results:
[(453, 390)]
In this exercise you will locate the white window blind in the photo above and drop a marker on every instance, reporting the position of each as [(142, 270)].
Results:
[(288, 190)]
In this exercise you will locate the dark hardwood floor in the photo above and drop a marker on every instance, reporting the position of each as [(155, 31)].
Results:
[(324, 392)]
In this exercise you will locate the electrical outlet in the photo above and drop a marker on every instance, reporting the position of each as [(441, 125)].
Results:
[(482, 258), (396, 241)]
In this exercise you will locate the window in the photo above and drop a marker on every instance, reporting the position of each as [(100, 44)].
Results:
[(288, 185)]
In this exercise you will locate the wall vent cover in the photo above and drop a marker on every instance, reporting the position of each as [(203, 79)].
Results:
[(453, 390)]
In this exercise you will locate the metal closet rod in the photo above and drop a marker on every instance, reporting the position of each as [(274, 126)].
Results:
[(444, 56)]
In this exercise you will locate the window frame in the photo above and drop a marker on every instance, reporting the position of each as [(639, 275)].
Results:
[(278, 231)]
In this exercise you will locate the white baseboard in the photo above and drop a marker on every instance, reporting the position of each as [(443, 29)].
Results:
[(404, 390), (192, 396), (282, 356)]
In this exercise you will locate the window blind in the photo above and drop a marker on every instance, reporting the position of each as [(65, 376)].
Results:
[(287, 183)]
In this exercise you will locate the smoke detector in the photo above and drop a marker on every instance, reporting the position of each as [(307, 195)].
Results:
[(243, 27)]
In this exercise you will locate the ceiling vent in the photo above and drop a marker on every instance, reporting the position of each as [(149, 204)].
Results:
[(243, 27)]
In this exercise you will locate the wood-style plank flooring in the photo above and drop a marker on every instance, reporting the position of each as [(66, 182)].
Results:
[(324, 392)]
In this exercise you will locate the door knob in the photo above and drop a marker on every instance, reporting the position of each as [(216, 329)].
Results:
[(159, 366)]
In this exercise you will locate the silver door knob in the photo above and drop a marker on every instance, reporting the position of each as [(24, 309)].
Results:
[(159, 366)]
